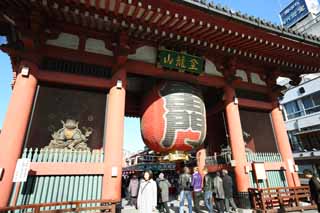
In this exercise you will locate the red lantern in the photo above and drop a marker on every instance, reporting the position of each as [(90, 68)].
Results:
[(174, 117)]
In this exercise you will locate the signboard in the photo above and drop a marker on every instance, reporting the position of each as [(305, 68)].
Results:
[(114, 171), (181, 61), (294, 12), (259, 171), (291, 165), (22, 170), (152, 166)]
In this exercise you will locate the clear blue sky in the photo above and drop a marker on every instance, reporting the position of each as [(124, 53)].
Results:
[(266, 9)]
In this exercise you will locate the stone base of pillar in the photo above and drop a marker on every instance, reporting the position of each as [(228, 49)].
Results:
[(244, 200)]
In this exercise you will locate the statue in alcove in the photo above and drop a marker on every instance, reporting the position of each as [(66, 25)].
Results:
[(70, 137)]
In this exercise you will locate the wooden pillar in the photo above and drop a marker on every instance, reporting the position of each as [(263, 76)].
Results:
[(113, 146), (284, 145), (14, 129), (236, 140), (201, 160)]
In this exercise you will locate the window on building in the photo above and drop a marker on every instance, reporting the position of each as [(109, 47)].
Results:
[(293, 110), (311, 103), (295, 142)]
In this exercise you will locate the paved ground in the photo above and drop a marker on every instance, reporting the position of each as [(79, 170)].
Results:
[(174, 207)]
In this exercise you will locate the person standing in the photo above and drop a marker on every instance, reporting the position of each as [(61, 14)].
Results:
[(314, 184), (218, 192), (133, 190), (228, 191), (163, 186), (147, 195), (185, 189), (208, 188), (197, 188)]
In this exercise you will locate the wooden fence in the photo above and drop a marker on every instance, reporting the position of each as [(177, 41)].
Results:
[(75, 206), (281, 198), (59, 188)]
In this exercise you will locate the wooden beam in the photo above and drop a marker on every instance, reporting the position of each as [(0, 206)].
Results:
[(73, 79), (217, 108), (142, 68), (252, 104)]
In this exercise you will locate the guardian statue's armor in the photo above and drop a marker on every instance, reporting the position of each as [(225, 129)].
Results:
[(70, 137)]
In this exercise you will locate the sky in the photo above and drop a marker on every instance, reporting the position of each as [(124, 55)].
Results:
[(266, 9)]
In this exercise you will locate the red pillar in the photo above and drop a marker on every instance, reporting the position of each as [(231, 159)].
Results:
[(236, 140), (111, 188), (201, 160), (284, 145), (13, 131)]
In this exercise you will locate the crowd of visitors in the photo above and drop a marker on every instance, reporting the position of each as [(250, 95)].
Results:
[(149, 193)]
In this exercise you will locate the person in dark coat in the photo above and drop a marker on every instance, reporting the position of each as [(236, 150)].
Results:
[(228, 191), (218, 192), (163, 186), (185, 190), (314, 184), (133, 190), (208, 187)]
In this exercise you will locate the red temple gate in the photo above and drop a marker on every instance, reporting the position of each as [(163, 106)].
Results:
[(110, 47)]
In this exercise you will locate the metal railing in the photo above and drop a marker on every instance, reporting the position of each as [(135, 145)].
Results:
[(63, 155), (263, 157), (218, 159), (250, 156)]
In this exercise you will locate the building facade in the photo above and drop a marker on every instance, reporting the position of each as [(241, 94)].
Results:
[(301, 107), (302, 16)]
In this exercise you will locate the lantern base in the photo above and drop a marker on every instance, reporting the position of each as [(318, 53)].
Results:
[(176, 156)]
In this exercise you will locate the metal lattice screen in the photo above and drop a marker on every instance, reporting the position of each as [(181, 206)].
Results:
[(59, 188)]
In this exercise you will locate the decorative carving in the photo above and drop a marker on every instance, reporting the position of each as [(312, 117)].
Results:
[(70, 137), (229, 67)]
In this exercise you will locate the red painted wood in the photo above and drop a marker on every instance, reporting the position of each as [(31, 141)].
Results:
[(55, 168), (252, 104), (14, 128), (73, 79), (283, 144), (111, 188), (236, 139)]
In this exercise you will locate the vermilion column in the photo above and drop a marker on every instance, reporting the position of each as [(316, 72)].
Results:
[(284, 145), (13, 131), (113, 144), (201, 160), (236, 140)]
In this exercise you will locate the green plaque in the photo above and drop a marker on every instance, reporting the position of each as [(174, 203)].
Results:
[(181, 61)]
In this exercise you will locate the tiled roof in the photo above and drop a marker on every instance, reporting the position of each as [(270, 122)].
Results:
[(255, 21)]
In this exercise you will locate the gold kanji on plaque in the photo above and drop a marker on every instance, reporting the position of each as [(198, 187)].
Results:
[(180, 63), (168, 59), (193, 64)]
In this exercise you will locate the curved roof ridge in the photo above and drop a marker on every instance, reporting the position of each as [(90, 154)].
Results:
[(252, 20)]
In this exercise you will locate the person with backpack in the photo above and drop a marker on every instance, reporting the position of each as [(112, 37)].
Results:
[(147, 195), (185, 189), (163, 186), (133, 190), (197, 188), (208, 187)]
